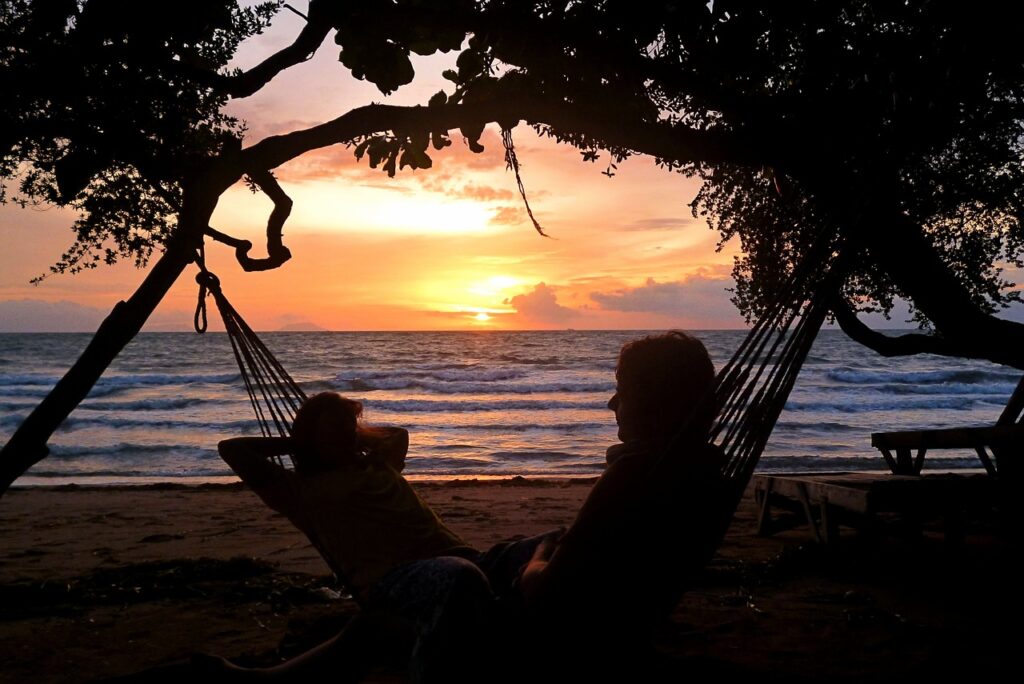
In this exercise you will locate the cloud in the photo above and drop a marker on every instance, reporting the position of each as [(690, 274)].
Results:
[(513, 215), (664, 223), (481, 193), (302, 326), (541, 305), (696, 298), (336, 162), (458, 153)]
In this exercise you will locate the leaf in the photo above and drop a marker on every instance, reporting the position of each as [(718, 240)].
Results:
[(440, 140), (361, 148)]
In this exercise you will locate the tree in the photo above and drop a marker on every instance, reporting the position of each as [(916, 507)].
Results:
[(890, 131)]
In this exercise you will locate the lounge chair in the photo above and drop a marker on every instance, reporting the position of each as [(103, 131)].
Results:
[(1004, 440)]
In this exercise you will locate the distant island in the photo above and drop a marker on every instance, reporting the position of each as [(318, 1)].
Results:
[(302, 326)]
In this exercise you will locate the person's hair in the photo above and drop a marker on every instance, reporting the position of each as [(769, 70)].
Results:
[(308, 452), (668, 378)]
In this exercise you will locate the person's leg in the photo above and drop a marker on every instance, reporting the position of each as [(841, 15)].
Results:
[(504, 562), (450, 601), (345, 657), (447, 600)]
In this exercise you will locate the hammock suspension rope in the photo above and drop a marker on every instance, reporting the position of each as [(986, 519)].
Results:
[(273, 393)]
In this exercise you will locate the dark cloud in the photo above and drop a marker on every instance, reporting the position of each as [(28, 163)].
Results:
[(697, 298), (541, 305)]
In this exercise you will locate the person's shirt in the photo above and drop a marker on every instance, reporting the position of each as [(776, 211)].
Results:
[(364, 518), (367, 521), (643, 535)]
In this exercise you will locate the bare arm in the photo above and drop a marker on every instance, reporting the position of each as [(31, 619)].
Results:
[(252, 460), (560, 561)]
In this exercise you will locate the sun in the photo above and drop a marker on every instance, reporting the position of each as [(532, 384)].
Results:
[(482, 317)]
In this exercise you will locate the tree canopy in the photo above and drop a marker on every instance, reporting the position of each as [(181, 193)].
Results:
[(892, 131)]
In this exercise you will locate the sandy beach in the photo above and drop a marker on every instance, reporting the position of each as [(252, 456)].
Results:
[(102, 582)]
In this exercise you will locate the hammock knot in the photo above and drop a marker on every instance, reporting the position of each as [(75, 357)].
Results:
[(208, 282)]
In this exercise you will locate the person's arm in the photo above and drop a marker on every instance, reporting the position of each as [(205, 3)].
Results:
[(252, 460), (558, 561)]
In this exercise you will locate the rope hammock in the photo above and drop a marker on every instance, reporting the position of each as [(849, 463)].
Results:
[(749, 392), (273, 393)]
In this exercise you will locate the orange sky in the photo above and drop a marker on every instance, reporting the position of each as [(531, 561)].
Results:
[(446, 248)]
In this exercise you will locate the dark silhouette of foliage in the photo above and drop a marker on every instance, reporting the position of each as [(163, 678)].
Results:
[(107, 110)]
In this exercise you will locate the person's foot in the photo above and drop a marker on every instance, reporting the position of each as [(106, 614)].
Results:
[(223, 669)]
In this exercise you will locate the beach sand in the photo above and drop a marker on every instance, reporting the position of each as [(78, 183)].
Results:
[(101, 582)]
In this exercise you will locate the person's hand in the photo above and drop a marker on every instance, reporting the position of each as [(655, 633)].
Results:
[(387, 445), (547, 547), (530, 579)]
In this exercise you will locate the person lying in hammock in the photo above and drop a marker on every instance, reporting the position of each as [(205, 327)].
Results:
[(646, 528), (345, 493), (390, 549)]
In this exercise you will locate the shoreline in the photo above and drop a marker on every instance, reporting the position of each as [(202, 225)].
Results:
[(430, 481), (105, 581), (235, 483)]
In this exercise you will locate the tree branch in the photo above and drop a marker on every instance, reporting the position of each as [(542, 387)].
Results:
[(277, 253), (302, 48), (901, 345), (900, 248), (657, 138)]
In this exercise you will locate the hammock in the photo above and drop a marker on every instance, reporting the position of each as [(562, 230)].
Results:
[(274, 395)]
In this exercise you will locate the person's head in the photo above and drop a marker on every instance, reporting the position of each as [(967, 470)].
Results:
[(660, 380), (325, 432)]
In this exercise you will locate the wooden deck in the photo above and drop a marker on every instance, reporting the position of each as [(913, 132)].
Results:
[(824, 501)]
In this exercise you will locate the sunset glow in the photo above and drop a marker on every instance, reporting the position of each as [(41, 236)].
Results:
[(450, 247)]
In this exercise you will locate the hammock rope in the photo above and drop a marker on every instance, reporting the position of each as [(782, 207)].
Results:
[(752, 402), (273, 393)]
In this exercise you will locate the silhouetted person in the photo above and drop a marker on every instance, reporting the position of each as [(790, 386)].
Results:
[(347, 496), (651, 522)]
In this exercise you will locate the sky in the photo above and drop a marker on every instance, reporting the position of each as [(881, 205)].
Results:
[(449, 248)]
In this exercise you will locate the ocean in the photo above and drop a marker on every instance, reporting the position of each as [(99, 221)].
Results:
[(476, 404)]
